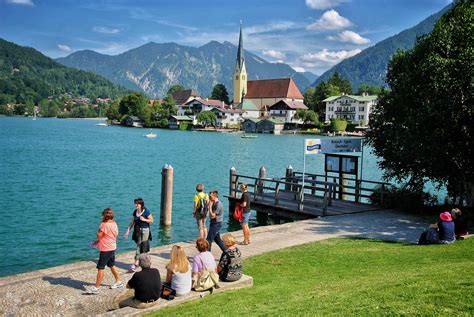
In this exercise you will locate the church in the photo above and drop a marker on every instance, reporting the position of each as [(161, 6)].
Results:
[(264, 98)]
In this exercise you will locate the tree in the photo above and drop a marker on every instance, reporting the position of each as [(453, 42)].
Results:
[(423, 127), (334, 86), (343, 85), (207, 118), (175, 88), (308, 116), (112, 110), (134, 104), (370, 89), (338, 124), (219, 92)]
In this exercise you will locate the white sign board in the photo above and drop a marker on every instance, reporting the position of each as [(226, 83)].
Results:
[(340, 145)]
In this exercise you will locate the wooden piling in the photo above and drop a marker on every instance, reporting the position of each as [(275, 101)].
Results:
[(261, 174), (289, 177), (166, 194)]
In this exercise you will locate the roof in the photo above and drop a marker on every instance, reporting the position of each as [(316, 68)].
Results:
[(255, 120), (182, 118), (247, 105), (182, 96), (274, 120), (273, 88), (291, 104), (240, 51), (365, 98), (229, 110), (209, 102)]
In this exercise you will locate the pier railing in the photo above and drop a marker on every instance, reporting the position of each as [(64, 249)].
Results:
[(317, 190)]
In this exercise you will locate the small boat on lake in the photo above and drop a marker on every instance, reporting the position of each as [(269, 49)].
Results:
[(245, 136), (150, 135), (101, 124)]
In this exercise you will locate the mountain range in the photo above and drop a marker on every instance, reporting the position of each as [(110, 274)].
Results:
[(370, 65), (153, 68)]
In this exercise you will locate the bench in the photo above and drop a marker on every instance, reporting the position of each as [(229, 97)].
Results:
[(245, 281)]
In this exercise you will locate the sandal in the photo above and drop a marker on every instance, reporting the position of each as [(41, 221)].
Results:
[(245, 243)]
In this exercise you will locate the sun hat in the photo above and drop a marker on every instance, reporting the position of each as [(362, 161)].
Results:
[(445, 216)]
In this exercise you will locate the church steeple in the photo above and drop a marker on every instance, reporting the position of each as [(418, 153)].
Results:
[(240, 73)]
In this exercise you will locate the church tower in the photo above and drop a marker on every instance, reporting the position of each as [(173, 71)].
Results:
[(240, 73)]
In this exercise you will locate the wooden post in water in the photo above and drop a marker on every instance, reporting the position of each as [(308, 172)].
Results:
[(289, 177), (166, 194), (232, 190), (262, 217)]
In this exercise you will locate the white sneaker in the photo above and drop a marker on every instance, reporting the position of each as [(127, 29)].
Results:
[(116, 285), (132, 268), (93, 290)]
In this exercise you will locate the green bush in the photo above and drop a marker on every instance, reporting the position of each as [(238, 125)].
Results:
[(338, 124), (183, 126)]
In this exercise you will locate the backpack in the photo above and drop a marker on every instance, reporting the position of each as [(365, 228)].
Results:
[(203, 207)]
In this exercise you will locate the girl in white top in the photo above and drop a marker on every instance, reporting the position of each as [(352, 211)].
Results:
[(178, 271)]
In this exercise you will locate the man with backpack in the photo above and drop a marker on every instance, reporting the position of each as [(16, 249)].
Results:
[(201, 209)]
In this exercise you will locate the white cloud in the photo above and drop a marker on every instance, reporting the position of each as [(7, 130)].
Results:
[(323, 4), (330, 20), (104, 29), (326, 57), (277, 26), (64, 48), (274, 54), (351, 37), (298, 69), (21, 2)]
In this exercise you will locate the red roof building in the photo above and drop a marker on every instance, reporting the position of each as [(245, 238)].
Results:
[(267, 92)]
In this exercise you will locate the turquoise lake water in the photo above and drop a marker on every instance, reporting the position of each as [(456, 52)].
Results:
[(58, 175)]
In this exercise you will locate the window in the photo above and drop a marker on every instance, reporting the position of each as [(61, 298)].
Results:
[(361, 117), (361, 108), (237, 77), (243, 77)]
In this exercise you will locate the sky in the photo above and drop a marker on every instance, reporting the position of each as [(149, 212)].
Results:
[(309, 35)]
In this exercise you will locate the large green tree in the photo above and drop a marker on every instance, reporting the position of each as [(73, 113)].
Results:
[(207, 118), (334, 86), (423, 127), (219, 92), (134, 104)]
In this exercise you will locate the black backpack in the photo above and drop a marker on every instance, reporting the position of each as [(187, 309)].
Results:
[(203, 207)]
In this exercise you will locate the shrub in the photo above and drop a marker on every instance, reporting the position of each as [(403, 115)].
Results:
[(183, 126), (338, 124)]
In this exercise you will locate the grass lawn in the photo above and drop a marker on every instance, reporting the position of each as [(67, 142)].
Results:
[(350, 277)]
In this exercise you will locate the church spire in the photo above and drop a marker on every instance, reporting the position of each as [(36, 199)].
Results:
[(240, 50), (240, 73)]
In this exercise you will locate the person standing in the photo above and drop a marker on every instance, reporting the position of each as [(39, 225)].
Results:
[(245, 204), (216, 215), (107, 242), (146, 283), (141, 220), (201, 204)]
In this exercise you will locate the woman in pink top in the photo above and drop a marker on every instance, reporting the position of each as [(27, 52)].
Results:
[(203, 261), (107, 237)]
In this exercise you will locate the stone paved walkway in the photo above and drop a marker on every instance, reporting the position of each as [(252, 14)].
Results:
[(60, 290)]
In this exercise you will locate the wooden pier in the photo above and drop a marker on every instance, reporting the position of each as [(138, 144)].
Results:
[(287, 199)]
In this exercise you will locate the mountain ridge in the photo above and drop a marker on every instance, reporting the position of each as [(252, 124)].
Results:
[(154, 67)]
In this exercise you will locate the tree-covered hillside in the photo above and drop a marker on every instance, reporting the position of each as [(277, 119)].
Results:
[(27, 76)]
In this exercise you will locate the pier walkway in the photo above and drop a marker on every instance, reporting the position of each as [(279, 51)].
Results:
[(60, 290)]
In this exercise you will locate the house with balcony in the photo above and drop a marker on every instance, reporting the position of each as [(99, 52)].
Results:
[(228, 117), (286, 110), (352, 108)]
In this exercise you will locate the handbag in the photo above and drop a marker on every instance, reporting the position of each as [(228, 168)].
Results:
[(167, 292), (238, 213), (206, 280)]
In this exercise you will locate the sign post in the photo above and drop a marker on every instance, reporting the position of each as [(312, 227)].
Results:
[(311, 147)]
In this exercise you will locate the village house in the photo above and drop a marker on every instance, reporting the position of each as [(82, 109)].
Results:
[(353, 108), (228, 117), (134, 121), (287, 109), (175, 121), (181, 98)]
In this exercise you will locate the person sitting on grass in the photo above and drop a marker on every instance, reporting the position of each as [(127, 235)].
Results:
[(107, 243), (178, 271), (230, 264), (445, 228), (460, 226), (146, 283)]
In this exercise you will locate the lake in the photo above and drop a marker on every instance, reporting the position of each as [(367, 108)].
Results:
[(58, 175)]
